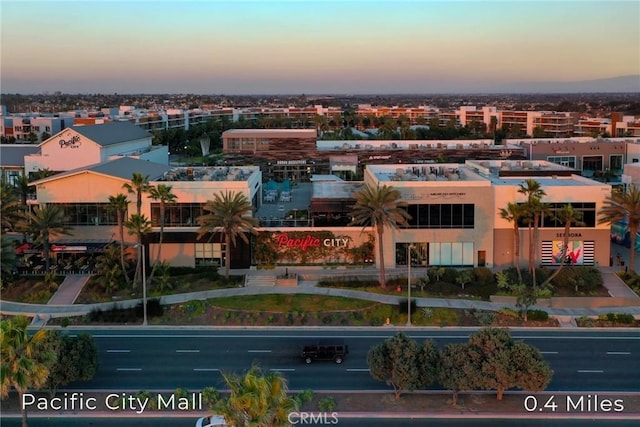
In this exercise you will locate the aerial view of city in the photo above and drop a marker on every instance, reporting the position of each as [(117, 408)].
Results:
[(351, 213)]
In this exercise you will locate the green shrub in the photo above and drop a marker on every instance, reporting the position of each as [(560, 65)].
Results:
[(585, 278), (376, 321), (196, 307), (538, 315), (210, 396), (327, 404), (484, 318), (509, 312), (144, 395), (450, 275), (623, 318), (403, 306), (586, 321), (305, 396), (483, 275), (40, 297), (181, 392)]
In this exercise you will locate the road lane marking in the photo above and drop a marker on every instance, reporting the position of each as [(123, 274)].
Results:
[(187, 351), (129, 369), (548, 352), (118, 351), (358, 370), (282, 369), (618, 352), (464, 336), (259, 351), (590, 371), (206, 369)]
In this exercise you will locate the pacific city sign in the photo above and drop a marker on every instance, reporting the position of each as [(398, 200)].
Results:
[(74, 142), (310, 241)]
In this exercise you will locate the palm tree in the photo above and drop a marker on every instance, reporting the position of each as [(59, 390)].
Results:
[(379, 207), (624, 206), (44, 223), (228, 214), (512, 213), (119, 204), (11, 210), (567, 216), (161, 193), (25, 360), (23, 188), (9, 261), (534, 210), (257, 399), (139, 184), (138, 225), (108, 271)]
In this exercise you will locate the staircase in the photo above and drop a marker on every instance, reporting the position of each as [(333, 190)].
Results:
[(259, 278)]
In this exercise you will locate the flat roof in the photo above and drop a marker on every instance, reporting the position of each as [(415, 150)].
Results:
[(271, 133), (336, 189), (424, 173), (546, 181)]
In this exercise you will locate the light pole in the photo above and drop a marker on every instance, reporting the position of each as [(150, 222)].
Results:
[(144, 283), (409, 285)]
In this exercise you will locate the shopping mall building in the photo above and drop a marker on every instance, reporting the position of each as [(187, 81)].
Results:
[(454, 207)]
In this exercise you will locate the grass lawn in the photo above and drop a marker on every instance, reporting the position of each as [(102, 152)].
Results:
[(297, 302)]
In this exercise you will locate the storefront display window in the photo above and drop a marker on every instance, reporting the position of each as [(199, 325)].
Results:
[(208, 254)]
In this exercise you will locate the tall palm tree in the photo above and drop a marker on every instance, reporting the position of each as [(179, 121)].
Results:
[(139, 184), (138, 225), (44, 223), (379, 207), (567, 216), (228, 214), (512, 213), (119, 204), (161, 193), (624, 206), (257, 399), (11, 210), (25, 359), (534, 209), (23, 188)]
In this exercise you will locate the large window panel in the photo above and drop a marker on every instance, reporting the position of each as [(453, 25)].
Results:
[(467, 253), (177, 214), (457, 216)]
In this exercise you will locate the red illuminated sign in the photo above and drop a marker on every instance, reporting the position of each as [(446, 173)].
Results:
[(310, 241)]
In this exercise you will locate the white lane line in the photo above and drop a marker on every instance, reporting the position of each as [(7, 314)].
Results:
[(548, 352), (187, 351), (618, 352), (358, 370), (206, 369), (282, 369), (118, 351), (129, 369), (590, 371), (259, 351), (417, 336)]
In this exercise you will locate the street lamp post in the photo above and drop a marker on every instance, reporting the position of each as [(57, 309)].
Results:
[(144, 284), (409, 285)]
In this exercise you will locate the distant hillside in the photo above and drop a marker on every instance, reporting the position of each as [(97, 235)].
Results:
[(613, 84)]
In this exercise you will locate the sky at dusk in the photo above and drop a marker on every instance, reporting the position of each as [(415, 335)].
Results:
[(326, 47)]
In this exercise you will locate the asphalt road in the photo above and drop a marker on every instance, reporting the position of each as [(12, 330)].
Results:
[(166, 359)]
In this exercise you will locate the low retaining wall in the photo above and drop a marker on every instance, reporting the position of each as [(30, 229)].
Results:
[(573, 302)]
